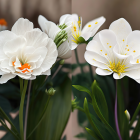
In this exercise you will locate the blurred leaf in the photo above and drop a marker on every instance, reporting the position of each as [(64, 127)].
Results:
[(93, 134), (9, 90), (56, 116), (64, 138), (81, 88)]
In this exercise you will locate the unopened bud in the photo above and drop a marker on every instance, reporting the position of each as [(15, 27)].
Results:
[(61, 62), (62, 26), (74, 104), (51, 91), (127, 114), (60, 38)]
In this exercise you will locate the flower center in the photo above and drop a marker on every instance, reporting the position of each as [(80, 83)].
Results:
[(118, 68), (3, 22), (24, 68)]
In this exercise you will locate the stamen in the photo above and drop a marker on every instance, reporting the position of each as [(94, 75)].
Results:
[(89, 25), (137, 61), (118, 68), (96, 22)]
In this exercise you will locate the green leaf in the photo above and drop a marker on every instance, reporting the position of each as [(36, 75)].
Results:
[(90, 119), (99, 102), (81, 88), (56, 116), (100, 107)]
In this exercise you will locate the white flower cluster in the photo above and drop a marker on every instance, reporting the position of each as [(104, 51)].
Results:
[(116, 50), (27, 52)]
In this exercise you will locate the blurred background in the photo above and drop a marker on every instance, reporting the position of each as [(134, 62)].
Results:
[(11, 10)]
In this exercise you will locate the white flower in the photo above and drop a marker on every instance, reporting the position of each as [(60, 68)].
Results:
[(25, 52), (88, 31), (102, 52), (3, 24), (52, 30)]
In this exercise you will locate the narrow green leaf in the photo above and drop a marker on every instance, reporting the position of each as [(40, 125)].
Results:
[(90, 119), (100, 107), (99, 102), (81, 88)]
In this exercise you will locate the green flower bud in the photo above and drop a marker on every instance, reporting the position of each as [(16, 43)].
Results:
[(127, 114), (74, 104), (51, 91), (61, 62), (60, 38)]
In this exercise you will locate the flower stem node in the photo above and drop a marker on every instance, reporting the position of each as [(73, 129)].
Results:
[(60, 38), (51, 91), (62, 62), (127, 114)]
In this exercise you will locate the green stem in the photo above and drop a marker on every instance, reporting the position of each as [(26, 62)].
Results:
[(91, 72), (41, 117), (77, 60), (81, 109), (21, 109), (21, 85)]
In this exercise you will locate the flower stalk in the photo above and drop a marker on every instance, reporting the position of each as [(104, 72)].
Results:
[(21, 109), (116, 116), (27, 108)]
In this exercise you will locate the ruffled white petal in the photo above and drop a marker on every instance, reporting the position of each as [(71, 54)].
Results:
[(22, 26), (51, 57), (4, 78), (36, 38)]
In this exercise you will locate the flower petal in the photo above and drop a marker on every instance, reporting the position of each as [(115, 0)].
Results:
[(121, 28), (14, 45), (64, 51), (51, 55), (4, 78), (116, 76), (98, 61), (36, 38), (91, 27), (50, 28), (103, 72), (133, 44), (22, 26)]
